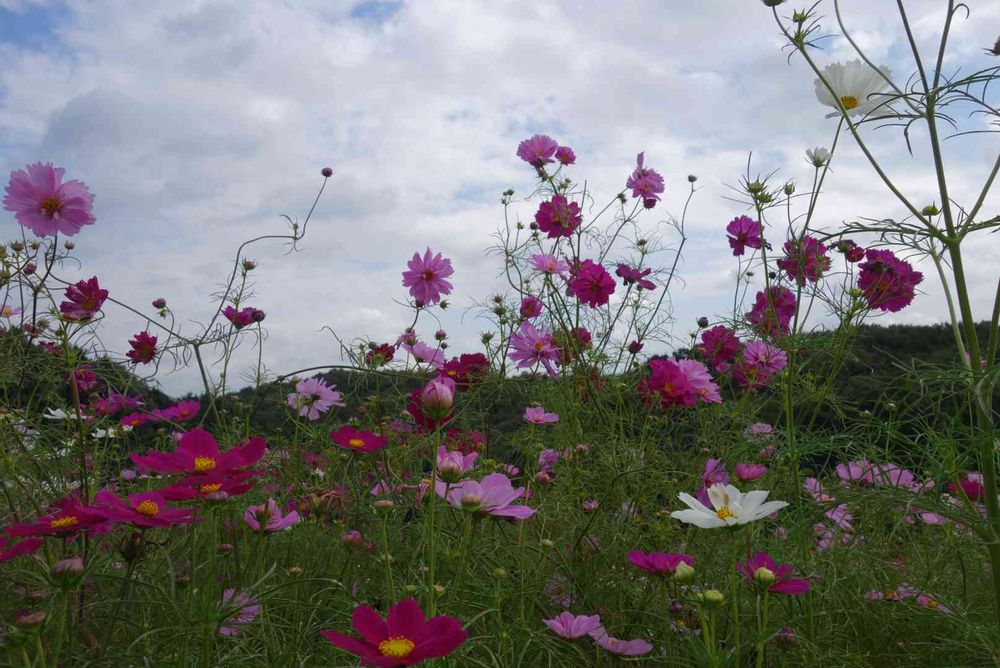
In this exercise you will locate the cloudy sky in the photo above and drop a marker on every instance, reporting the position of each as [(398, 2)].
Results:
[(198, 123)]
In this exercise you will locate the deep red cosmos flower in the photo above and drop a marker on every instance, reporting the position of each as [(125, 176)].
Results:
[(466, 370), (633, 276), (887, 282), (83, 300), (380, 355), (10, 550), (591, 284), (143, 348), (355, 440), (660, 563), (211, 486), (68, 519), (761, 568), (198, 453), (403, 638)]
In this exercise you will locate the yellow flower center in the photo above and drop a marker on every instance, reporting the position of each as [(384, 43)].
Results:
[(50, 206), (724, 513), (202, 464), (212, 488), (849, 101), (931, 603), (668, 387), (355, 442), (148, 508), (397, 647), (538, 346), (8, 311), (64, 522)]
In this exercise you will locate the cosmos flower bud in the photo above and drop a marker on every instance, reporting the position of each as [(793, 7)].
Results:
[(249, 265), (295, 570), (785, 637), (930, 210), (499, 574), (69, 245), (67, 572), (634, 347), (437, 398), (789, 188), (764, 577), (352, 538), (28, 269), (546, 543), (772, 3), (384, 506), (684, 572), (410, 590), (159, 302), (703, 322), (30, 620), (327, 172), (714, 597), (692, 178), (471, 501)]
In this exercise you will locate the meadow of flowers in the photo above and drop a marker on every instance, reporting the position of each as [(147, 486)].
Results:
[(660, 505)]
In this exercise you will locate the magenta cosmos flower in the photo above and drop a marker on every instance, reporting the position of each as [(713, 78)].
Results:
[(244, 608), (762, 566), (537, 415), (558, 217), (211, 486), (743, 232), (44, 204), (494, 495), (549, 264), (659, 563), (355, 440), (749, 472), (198, 453), (565, 155), (537, 150), (147, 509), (83, 300), (312, 397), (635, 276), (701, 380), (530, 346), (10, 550), (569, 626), (267, 517), (426, 277), (591, 284), (645, 183), (143, 348), (668, 384), (403, 638), (719, 345), (805, 260), (68, 517), (244, 317), (773, 311), (531, 307), (888, 283)]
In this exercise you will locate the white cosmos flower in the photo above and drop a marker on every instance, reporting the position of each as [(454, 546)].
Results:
[(856, 85), (731, 507), (818, 156)]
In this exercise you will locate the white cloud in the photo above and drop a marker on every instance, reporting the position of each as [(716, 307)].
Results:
[(198, 123)]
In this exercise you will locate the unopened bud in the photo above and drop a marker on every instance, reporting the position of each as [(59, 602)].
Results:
[(683, 572), (714, 597), (930, 210), (499, 574), (764, 577), (546, 543), (384, 506), (295, 570), (67, 572)]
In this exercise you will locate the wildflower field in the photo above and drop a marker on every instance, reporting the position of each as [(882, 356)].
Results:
[(714, 501)]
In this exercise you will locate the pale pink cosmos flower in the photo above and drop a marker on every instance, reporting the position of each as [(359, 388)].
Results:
[(452, 464), (698, 377), (549, 264), (493, 495), (267, 517), (312, 397), (567, 625), (245, 607), (425, 353), (46, 205), (636, 647), (530, 346), (537, 415), (748, 472)]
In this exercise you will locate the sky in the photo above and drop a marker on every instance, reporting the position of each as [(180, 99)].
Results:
[(197, 124)]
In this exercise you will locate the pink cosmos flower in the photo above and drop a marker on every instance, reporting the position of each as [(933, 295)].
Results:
[(83, 377), (217, 486), (267, 517), (815, 489), (531, 307), (493, 495), (466, 370), (970, 485), (312, 397), (758, 431), (805, 260), (352, 439), (570, 626), (636, 647), (245, 608), (9, 311), (634, 276), (537, 415), (645, 183), (783, 584), (83, 300), (425, 353), (143, 348), (749, 472), (714, 474), (537, 150), (859, 471), (10, 550), (719, 345), (243, 317), (565, 155), (198, 453), (529, 347), (932, 603), (147, 509), (549, 264), (743, 231), (182, 410), (699, 378), (900, 593), (591, 284), (403, 638), (761, 361), (426, 277), (558, 217), (46, 205), (888, 283), (660, 563), (772, 315), (452, 465), (668, 384)]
